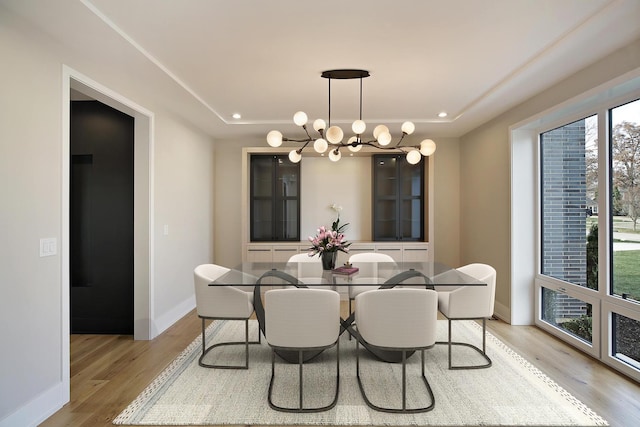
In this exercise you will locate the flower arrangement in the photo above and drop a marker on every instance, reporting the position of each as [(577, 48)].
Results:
[(330, 240)]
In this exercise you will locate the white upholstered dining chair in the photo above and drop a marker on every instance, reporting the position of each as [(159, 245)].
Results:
[(397, 319), (222, 303), (299, 319), (470, 303), (367, 274), (309, 271)]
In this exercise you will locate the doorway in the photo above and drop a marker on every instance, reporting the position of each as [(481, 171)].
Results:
[(144, 329), (101, 219)]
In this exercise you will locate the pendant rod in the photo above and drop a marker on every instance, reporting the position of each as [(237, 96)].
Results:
[(329, 102), (360, 98)]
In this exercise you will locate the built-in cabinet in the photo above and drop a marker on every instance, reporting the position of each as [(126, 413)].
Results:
[(270, 252), (275, 198), (280, 252), (398, 204)]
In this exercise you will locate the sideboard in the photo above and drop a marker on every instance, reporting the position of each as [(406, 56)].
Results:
[(281, 251)]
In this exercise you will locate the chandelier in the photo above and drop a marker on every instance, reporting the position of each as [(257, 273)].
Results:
[(332, 138)]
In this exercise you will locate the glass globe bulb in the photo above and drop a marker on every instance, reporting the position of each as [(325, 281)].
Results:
[(320, 145), (354, 148), (408, 128), (359, 127), (413, 157), (300, 118), (334, 134), (378, 130), (274, 138), (384, 138), (335, 155), (319, 125), (294, 156), (427, 147)]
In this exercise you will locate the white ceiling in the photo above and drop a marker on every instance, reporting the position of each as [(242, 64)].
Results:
[(263, 59)]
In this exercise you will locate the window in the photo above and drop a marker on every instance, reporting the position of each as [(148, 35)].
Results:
[(569, 241), (588, 286), (274, 199), (625, 339), (624, 190), (398, 207), (625, 200), (569, 184)]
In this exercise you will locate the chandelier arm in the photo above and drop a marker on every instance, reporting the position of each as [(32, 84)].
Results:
[(401, 138), (307, 132), (306, 141), (379, 147), (417, 147), (340, 144)]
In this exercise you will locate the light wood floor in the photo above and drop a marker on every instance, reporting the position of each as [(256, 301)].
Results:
[(109, 371)]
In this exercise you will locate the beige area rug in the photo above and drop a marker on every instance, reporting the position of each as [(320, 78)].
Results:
[(510, 393)]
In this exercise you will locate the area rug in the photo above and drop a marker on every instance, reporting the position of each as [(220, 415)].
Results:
[(512, 392)]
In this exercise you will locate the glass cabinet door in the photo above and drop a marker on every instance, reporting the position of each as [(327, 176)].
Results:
[(397, 199), (275, 204), (385, 196)]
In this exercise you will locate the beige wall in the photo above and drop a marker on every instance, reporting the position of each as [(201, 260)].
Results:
[(184, 203), (32, 292), (446, 201), (347, 183), (228, 201), (485, 170)]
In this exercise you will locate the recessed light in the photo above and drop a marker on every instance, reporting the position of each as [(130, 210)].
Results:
[(236, 116), (442, 114)]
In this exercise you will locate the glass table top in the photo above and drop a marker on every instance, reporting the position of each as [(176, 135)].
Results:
[(411, 273)]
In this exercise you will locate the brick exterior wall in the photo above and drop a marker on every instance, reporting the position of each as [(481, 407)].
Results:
[(564, 199)]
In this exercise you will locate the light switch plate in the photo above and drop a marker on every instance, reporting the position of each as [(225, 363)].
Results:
[(48, 246)]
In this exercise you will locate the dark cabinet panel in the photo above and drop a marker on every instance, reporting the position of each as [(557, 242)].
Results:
[(398, 199), (275, 200)]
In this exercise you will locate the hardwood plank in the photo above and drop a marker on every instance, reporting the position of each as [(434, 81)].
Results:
[(609, 393), (108, 372)]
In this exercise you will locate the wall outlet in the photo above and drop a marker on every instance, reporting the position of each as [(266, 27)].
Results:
[(48, 246)]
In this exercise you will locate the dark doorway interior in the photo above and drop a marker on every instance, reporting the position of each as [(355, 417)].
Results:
[(101, 219)]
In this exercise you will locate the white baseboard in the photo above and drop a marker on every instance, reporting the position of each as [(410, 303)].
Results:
[(502, 312), (162, 323), (39, 409)]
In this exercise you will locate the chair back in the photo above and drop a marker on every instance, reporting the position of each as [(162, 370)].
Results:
[(309, 269), (476, 301), (302, 318), (398, 317), (368, 268), (219, 301)]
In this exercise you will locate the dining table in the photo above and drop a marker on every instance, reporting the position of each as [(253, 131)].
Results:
[(384, 275)]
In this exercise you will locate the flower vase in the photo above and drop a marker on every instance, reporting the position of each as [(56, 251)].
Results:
[(329, 260)]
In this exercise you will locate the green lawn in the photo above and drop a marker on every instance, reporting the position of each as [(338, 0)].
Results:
[(620, 224), (626, 273)]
